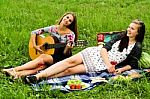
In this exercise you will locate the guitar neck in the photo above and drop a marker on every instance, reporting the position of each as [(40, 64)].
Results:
[(79, 43), (57, 45)]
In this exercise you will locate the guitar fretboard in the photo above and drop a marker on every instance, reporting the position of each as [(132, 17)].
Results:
[(79, 43), (57, 45)]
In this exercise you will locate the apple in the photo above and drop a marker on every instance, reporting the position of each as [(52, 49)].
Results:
[(74, 83), (78, 86), (72, 86)]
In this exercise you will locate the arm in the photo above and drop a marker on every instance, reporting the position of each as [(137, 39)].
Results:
[(132, 59), (33, 37), (107, 47), (33, 40), (70, 42), (104, 54), (43, 30), (122, 69)]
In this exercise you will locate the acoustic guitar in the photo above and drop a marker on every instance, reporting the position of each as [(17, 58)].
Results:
[(49, 44)]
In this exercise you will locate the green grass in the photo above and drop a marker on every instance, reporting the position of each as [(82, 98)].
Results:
[(19, 17)]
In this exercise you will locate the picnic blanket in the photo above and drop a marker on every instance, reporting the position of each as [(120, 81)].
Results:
[(60, 83)]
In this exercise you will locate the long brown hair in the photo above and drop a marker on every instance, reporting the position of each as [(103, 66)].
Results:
[(141, 30), (139, 37), (73, 25)]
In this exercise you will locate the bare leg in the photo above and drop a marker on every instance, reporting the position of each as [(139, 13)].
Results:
[(42, 59), (28, 72), (70, 71), (61, 66)]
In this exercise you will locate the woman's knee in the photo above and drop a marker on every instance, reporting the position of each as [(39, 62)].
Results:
[(69, 71), (45, 58), (42, 56), (70, 61)]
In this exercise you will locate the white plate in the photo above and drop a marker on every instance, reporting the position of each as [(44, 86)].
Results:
[(86, 84)]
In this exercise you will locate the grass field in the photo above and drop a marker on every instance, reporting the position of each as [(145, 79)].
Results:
[(19, 17)]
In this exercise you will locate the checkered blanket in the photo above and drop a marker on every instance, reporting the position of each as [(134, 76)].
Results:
[(60, 83)]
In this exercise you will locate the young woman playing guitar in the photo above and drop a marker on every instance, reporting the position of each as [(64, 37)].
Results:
[(65, 32)]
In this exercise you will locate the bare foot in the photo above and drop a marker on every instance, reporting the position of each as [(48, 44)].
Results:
[(10, 72)]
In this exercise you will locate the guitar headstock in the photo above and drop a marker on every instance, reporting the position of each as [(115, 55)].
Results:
[(81, 43)]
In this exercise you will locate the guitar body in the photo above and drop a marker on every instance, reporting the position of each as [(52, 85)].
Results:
[(40, 40), (50, 45)]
